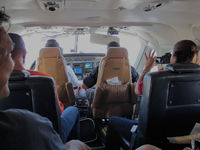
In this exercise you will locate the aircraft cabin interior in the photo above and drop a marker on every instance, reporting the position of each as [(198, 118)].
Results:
[(167, 112)]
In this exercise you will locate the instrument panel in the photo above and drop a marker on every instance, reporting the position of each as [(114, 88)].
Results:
[(83, 63)]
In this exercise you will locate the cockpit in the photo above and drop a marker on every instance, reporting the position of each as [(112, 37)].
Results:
[(83, 63)]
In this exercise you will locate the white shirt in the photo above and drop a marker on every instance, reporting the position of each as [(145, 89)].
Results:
[(72, 77)]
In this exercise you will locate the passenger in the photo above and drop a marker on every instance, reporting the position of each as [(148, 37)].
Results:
[(21, 129), (19, 54), (70, 116), (91, 79), (184, 51), (70, 73)]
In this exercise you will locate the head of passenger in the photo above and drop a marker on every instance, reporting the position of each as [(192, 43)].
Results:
[(53, 43), (6, 63), (113, 44), (19, 51), (184, 51)]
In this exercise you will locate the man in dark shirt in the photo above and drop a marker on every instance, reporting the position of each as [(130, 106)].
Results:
[(20, 129), (91, 79)]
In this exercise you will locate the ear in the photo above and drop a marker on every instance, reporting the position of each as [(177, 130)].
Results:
[(195, 59), (24, 56), (24, 53), (173, 59)]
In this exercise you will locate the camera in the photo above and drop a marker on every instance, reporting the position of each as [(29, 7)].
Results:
[(165, 59)]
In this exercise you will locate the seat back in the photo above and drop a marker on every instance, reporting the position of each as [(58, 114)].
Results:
[(34, 93), (114, 99), (51, 62), (170, 104), (114, 64)]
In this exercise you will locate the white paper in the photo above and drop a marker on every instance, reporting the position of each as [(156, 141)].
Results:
[(113, 81)]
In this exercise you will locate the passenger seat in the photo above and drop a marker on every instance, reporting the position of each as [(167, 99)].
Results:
[(170, 106), (51, 62), (34, 93), (114, 95)]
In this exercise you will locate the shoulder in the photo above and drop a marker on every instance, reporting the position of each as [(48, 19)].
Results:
[(32, 72), (21, 128), (24, 117)]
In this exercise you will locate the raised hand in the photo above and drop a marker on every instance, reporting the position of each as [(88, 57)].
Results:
[(150, 60), (77, 145)]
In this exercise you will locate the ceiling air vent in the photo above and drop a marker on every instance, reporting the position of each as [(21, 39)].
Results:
[(152, 6), (51, 5)]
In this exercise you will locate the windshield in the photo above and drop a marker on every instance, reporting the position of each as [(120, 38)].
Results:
[(34, 42)]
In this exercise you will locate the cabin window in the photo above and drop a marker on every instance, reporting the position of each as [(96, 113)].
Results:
[(34, 42)]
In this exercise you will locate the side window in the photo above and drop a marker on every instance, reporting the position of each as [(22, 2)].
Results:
[(140, 62), (133, 45)]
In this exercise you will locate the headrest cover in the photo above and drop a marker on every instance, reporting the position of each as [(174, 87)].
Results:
[(50, 52), (19, 75), (183, 67), (117, 52)]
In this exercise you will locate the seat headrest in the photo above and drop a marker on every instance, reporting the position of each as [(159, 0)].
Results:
[(117, 52), (19, 75), (50, 52), (183, 67)]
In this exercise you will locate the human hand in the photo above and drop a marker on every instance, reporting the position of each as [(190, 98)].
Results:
[(76, 145), (150, 60), (187, 148), (84, 86), (148, 147)]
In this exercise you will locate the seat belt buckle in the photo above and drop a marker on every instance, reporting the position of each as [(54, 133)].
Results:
[(134, 128)]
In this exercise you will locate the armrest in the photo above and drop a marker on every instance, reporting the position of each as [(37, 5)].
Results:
[(70, 93), (133, 95)]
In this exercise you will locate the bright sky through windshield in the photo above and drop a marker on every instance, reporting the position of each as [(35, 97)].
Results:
[(35, 42)]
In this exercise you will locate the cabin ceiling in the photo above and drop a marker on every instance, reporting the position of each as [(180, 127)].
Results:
[(166, 20), (103, 12)]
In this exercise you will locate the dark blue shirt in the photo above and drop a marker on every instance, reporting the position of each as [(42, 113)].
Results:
[(91, 79), (24, 130)]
